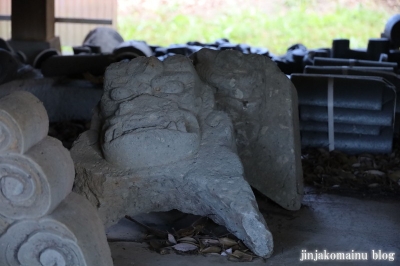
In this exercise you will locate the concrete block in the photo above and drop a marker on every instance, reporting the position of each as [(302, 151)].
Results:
[(364, 71), (351, 143), (360, 103), (384, 117), (340, 128)]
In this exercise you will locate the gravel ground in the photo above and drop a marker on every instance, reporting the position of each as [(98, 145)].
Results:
[(363, 174)]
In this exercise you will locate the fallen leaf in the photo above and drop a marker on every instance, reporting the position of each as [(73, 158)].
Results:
[(187, 239), (194, 228), (236, 247), (212, 249), (227, 242), (242, 256), (210, 241), (171, 239), (184, 247), (185, 232), (233, 258)]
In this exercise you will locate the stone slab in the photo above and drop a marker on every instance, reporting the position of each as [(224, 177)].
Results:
[(262, 103)]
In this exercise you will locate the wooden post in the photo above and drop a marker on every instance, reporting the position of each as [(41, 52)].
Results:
[(32, 27), (32, 20)]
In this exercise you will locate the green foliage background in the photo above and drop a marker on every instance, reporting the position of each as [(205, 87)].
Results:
[(296, 21)]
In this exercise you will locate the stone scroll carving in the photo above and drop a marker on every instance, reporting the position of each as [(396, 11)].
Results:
[(157, 144), (41, 221), (23, 123), (262, 103)]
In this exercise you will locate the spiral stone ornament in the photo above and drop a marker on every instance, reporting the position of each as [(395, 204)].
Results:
[(37, 243), (23, 122), (42, 223), (33, 184), (72, 235)]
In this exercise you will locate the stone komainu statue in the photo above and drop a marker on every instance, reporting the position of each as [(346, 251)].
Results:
[(157, 143)]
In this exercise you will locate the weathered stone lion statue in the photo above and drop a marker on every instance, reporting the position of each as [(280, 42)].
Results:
[(157, 143)]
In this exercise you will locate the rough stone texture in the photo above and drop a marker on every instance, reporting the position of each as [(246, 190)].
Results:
[(262, 103), (41, 222), (190, 163)]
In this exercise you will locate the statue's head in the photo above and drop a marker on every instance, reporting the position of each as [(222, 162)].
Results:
[(150, 109), (233, 74)]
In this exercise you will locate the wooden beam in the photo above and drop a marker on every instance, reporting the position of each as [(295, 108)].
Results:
[(85, 21), (32, 20)]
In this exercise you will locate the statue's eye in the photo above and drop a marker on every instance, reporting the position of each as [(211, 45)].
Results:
[(170, 87), (131, 91)]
